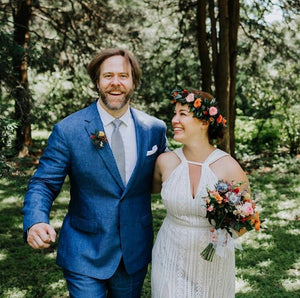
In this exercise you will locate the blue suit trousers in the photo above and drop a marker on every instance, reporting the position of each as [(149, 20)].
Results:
[(120, 285)]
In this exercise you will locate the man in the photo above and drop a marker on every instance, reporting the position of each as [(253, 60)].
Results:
[(106, 239)]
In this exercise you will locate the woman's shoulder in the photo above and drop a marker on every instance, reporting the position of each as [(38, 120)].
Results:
[(228, 168), (168, 157), (166, 163)]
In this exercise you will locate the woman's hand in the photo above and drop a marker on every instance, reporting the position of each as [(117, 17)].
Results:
[(235, 233)]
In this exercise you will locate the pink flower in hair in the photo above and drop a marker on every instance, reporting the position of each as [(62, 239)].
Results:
[(213, 111), (190, 97)]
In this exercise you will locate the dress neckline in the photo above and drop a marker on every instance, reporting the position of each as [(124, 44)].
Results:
[(198, 163), (206, 162)]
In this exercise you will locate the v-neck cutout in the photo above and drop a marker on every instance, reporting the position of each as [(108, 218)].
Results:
[(194, 191), (200, 164)]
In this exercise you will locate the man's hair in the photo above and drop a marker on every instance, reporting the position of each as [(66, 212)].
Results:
[(94, 66)]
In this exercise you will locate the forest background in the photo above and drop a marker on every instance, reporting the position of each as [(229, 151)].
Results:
[(245, 53)]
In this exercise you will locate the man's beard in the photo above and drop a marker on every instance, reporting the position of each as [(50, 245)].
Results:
[(111, 107)]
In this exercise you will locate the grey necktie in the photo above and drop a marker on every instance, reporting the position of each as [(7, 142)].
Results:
[(117, 147)]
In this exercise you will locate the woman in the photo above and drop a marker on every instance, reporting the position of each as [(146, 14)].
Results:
[(183, 175)]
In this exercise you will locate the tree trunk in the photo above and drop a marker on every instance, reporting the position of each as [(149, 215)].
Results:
[(222, 76), (234, 19), (218, 61), (214, 39), (203, 47), (22, 16)]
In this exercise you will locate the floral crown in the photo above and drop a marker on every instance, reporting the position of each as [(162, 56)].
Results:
[(202, 108)]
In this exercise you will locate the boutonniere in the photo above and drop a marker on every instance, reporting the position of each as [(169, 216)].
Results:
[(98, 138)]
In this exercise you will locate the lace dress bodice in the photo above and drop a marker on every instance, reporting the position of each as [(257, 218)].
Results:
[(178, 271)]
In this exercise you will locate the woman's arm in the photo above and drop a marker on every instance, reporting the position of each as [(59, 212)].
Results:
[(156, 183)]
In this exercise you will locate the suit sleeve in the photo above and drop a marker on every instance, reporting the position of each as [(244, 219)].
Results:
[(164, 140), (47, 181)]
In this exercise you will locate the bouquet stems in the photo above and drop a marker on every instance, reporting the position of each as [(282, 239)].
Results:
[(209, 252)]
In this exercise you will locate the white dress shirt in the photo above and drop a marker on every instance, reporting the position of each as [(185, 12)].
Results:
[(127, 130)]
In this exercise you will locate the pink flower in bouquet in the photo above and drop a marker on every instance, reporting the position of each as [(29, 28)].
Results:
[(247, 209), (210, 208)]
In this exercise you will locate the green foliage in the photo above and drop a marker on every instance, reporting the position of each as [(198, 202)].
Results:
[(64, 35), (7, 137), (257, 137), (59, 93), (267, 83)]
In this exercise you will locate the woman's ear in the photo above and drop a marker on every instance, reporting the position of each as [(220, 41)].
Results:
[(204, 124)]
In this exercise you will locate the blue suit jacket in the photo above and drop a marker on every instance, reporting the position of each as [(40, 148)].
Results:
[(105, 221)]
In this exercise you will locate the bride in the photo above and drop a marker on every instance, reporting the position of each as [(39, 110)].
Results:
[(182, 176)]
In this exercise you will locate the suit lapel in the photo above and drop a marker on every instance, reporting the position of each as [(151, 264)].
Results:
[(141, 144), (92, 123)]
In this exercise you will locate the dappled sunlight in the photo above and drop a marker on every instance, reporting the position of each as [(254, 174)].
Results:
[(157, 206), (10, 200), (291, 284), (287, 203), (270, 186), (51, 255), (56, 224), (242, 286), (14, 293), (265, 264), (295, 270), (254, 239), (3, 255), (40, 134), (251, 271), (278, 222), (288, 214), (59, 284), (63, 197), (293, 232)]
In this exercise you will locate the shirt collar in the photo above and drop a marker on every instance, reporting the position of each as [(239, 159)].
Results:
[(107, 118)]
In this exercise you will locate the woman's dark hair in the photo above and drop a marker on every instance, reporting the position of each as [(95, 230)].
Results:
[(215, 133)]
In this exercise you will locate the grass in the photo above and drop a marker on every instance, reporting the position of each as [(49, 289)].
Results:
[(268, 266)]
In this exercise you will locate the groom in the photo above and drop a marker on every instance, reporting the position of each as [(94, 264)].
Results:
[(106, 238)]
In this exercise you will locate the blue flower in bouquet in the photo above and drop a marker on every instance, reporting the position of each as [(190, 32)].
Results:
[(233, 198), (222, 187)]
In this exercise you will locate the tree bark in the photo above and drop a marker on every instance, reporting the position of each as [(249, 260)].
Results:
[(203, 50), (234, 19), (217, 50), (222, 76), (214, 39), (22, 16)]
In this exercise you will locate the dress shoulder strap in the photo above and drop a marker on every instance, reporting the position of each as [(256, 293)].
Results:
[(179, 153), (215, 155)]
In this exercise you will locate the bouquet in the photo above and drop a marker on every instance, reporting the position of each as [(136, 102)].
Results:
[(229, 209)]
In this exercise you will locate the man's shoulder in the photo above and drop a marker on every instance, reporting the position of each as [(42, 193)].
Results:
[(78, 116), (147, 118)]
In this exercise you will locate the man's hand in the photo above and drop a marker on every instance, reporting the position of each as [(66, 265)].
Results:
[(40, 235)]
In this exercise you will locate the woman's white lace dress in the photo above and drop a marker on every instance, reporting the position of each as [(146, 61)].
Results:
[(178, 270)]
